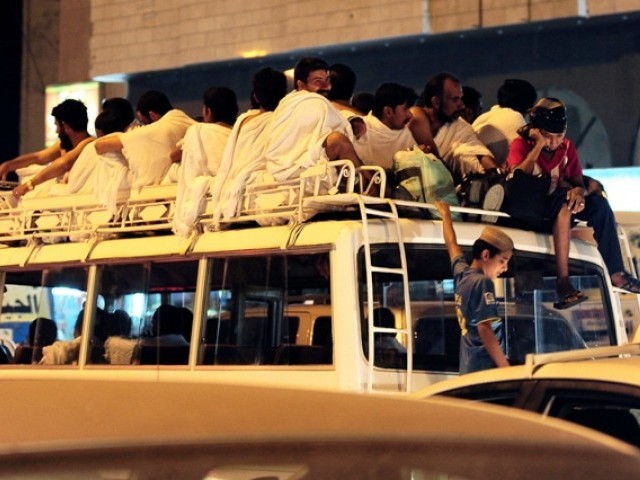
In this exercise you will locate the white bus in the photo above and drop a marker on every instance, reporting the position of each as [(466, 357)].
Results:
[(278, 305)]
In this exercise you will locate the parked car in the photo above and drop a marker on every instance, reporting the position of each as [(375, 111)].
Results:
[(59, 429), (598, 388)]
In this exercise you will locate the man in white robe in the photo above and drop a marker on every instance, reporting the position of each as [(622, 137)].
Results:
[(436, 123), (306, 130), (71, 126), (498, 127), (202, 148), (461, 149), (387, 131), (148, 149), (244, 153)]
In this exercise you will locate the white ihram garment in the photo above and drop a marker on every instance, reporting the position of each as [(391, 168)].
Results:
[(147, 149), (459, 147), (497, 128), (296, 135), (243, 156), (379, 143), (202, 149)]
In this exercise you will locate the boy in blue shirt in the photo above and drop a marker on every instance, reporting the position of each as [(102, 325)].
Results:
[(482, 344)]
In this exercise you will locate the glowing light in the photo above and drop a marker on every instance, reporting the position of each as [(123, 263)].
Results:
[(254, 53)]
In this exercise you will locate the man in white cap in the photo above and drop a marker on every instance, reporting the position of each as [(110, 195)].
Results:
[(482, 344)]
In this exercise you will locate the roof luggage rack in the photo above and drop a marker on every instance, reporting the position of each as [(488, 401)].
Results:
[(336, 186)]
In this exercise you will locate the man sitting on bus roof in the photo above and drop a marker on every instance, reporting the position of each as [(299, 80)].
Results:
[(71, 126), (148, 149), (201, 152), (306, 129), (244, 153), (387, 131)]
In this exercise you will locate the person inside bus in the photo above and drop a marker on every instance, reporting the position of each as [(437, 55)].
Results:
[(167, 341), (543, 147), (170, 327), (118, 346), (66, 352), (384, 317), (482, 341), (42, 333)]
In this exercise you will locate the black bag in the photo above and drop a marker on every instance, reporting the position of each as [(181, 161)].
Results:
[(525, 196), (474, 187)]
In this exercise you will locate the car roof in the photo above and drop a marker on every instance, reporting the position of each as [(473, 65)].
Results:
[(618, 364), (59, 411), (49, 423)]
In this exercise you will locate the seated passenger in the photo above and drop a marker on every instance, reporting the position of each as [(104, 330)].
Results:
[(118, 347), (498, 127), (343, 82), (362, 102), (387, 131), (306, 130), (543, 148), (71, 126), (243, 154), (170, 327), (472, 100), (437, 124), (42, 333), (384, 317), (66, 352), (201, 150), (147, 150), (82, 173), (170, 331)]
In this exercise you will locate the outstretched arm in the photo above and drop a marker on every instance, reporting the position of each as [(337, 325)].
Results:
[(56, 168), (110, 143), (41, 157), (450, 240)]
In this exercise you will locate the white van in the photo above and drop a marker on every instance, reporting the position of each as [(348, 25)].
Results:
[(281, 305)]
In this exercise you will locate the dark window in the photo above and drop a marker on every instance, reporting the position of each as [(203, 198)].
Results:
[(268, 310)]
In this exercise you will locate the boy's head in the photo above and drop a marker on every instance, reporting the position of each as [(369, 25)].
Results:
[(493, 249), (494, 240)]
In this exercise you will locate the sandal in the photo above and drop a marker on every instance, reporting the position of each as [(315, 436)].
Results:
[(630, 285), (570, 299)]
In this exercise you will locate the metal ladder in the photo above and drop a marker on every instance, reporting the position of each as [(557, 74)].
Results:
[(367, 214)]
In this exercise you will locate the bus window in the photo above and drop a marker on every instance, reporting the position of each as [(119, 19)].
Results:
[(261, 311), (526, 293), (42, 314), (148, 314)]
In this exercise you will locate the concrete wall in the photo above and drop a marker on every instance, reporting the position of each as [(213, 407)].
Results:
[(142, 35)]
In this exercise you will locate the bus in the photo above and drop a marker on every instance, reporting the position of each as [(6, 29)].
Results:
[(291, 303)]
